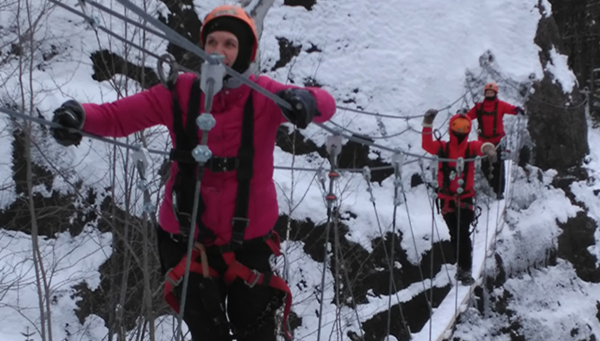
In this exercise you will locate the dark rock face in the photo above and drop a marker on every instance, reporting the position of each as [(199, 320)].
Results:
[(308, 4), (573, 243), (577, 23), (557, 124), (287, 51), (54, 212), (107, 64), (183, 19)]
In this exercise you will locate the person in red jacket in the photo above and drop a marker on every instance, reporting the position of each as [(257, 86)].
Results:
[(455, 186), (489, 115), (235, 291)]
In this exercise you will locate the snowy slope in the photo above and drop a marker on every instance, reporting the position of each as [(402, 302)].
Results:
[(395, 57)]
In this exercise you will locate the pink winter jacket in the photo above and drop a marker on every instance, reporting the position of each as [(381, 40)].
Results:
[(154, 107)]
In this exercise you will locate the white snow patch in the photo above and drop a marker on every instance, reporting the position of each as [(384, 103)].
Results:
[(559, 67)]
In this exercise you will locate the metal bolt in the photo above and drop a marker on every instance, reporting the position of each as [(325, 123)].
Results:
[(201, 154), (206, 121)]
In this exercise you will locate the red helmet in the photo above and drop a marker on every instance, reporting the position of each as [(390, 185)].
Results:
[(491, 86), (234, 12)]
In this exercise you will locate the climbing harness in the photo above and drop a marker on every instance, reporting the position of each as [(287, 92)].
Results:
[(192, 160), (449, 173), (235, 270), (480, 113)]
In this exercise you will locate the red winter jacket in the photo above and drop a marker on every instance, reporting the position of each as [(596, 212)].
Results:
[(154, 107), (486, 130), (455, 150)]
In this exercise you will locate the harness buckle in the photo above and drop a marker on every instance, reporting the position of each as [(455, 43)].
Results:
[(174, 237), (237, 240), (171, 281), (235, 220), (254, 281)]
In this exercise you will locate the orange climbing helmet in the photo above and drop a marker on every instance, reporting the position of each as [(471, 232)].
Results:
[(460, 124), (491, 86), (231, 11)]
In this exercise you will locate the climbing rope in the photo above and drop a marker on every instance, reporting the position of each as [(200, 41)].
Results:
[(334, 146), (175, 38), (406, 117), (389, 256), (400, 198), (340, 263)]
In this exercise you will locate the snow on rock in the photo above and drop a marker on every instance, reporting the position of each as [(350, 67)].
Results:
[(586, 192), (545, 304), (559, 68), (530, 234), (67, 261)]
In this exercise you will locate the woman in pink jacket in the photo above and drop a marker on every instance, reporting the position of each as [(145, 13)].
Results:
[(238, 207)]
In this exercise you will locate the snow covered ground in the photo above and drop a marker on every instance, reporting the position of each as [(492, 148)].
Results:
[(394, 57)]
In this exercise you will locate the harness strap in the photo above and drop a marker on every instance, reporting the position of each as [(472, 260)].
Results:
[(446, 205), (240, 220), (252, 278), (186, 139), (174, 276), (480, 114), (214, 164), (234, 270), (446, 170)]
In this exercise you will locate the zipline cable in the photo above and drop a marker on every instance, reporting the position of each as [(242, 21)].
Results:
[(388, 256), (175, 38), (333, 148)]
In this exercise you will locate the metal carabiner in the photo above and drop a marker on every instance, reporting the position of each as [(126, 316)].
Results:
[(167, 80)]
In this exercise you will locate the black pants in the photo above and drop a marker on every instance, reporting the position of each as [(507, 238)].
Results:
[(459, 231), (497, 173), (250, 311)]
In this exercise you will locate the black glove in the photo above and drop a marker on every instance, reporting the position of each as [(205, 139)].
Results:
[(69, 115), (304, 106), (519, 111), (429, 116)]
